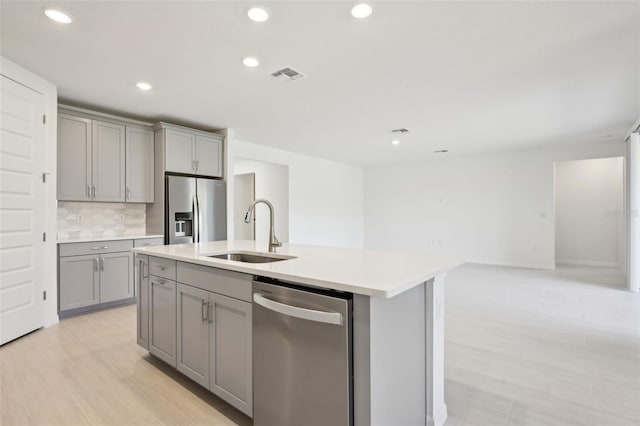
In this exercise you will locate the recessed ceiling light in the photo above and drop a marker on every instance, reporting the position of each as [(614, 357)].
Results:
[(143, 85), (58, 16), (258, 14), (251, 62), (395, 142), (361, 10)]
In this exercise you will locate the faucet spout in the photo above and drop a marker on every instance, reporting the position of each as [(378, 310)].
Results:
[(273, 240)]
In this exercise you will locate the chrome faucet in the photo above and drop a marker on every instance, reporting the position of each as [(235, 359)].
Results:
[(273, 241)]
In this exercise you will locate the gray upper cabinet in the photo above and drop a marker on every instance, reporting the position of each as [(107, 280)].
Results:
[(139, 165), (208, 156), (101, 160), (191, 151), (108, 162), (74, 158), (180, 151)]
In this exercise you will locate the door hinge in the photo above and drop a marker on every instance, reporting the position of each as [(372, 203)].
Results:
[(44, 236), (44, 119), (44, 295)]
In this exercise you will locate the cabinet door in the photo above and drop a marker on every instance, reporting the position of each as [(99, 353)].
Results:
[(162, 319), (78, 281), (141, 271), (108, 162), (231, 358), (74, 158), (116, 276), (193, 333), (209, 156), (179, 149), (139, 165)]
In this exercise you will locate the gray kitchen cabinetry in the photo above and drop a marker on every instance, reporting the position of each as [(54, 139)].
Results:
[(162, 313), (225, 321), (142, 298), (91, 159), (190, 151), (202, 325), (139, 165), (94, 274)]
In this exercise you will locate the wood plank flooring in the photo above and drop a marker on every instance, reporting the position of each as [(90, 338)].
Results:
[(523, 347), (89, 370), (527, 347)]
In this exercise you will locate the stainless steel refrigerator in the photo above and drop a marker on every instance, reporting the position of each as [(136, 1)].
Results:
[(195, 209)]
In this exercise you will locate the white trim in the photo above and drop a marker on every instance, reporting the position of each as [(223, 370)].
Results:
[(439, 418), (96, 114), (633, 212), (581, 262), (634, 129), (26, 78), (545, 266)]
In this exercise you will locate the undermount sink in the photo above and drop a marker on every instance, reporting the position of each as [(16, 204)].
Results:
[(250, 257)]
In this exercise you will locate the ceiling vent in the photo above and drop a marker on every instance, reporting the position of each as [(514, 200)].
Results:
[(286, 74), (402, 130)]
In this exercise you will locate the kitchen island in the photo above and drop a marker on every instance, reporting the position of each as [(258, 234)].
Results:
[(397, 339)]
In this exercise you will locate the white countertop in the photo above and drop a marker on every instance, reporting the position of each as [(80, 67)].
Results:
[(366, 272), (111, 238)]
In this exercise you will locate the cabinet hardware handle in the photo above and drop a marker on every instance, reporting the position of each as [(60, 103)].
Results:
[(162, 268), (102, 263), (210, 312), (128, 193), (94, 191), (204, 311), (150, 244), (193, 165), (89, 191), (197, 165), (95, 264), (96, 248)]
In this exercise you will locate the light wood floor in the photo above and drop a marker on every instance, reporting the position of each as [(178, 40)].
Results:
[(527, 347), (523, 347), (89, 370)]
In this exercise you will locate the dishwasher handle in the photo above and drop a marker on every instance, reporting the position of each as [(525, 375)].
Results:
[(295, 311)]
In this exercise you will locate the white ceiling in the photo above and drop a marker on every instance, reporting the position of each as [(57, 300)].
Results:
[(466, 76)]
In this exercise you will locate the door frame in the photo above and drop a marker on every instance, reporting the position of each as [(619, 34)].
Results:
[(49, 91)]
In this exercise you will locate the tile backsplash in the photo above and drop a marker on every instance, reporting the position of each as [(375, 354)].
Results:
[(87, 220)]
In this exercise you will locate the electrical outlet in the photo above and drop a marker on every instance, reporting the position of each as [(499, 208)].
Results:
[(79, 218)]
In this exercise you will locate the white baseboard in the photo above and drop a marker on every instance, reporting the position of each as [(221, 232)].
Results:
[(580, 262), (439, 417), (514, 264)]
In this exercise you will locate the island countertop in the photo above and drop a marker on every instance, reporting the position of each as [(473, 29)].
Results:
[(366, 272)]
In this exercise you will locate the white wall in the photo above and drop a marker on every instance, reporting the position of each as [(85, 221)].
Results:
[(589, 207), (325, 197), (494, 208), (271, 183)]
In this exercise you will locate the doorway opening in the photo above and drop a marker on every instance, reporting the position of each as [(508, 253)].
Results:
[(590, 226)]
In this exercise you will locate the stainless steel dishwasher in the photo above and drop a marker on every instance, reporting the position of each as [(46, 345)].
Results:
[(302, 360)]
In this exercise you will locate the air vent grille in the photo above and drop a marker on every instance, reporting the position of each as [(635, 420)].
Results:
[(286, 74)]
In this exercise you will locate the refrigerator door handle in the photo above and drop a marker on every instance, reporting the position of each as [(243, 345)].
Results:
[(196, 217)]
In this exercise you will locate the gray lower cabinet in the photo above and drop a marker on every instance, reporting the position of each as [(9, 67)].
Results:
[(94, 273), (79, 281), (202, 325), (230, 349), (142, 299), (116, 276), (193, 333), (162, 319)]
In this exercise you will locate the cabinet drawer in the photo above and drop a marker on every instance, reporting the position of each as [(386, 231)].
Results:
[(160, 267), (227, 283), (95, 247), (146, 242)]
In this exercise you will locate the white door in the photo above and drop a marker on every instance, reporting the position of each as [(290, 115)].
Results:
[(22, 210)]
